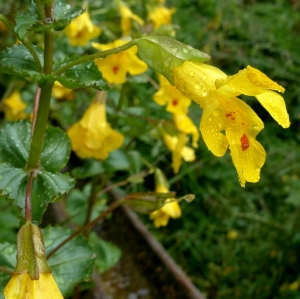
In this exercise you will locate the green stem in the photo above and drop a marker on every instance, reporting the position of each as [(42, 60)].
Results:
[(41, 122), (7, 23), (40, 9), (32, 51), (113, 206), (94, 56)]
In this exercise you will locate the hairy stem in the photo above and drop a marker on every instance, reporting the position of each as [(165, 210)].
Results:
[(94, 56), (28, 214), (39, 4), (113, 206)]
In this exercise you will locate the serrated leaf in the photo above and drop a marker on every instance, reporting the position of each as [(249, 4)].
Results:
[(15, 143), (107, 253), (72, 263), (24, 22), (64, 13), (17, 60), (46, 187), (56, 150), (164, 53), (83, 75), (48, 183)]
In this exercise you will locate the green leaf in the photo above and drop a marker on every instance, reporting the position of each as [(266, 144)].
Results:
[(18, 61), (24, 22), (90, 168), (47, 187), (48, 183), (117, 160), (83, 75), (15, 143), (164, 53), (56, 150), (107, 253), (72, 263), (8, 261), (64, 13)]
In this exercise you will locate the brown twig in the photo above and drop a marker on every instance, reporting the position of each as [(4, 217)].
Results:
[(179, 275), (114, 205), (2, 269)]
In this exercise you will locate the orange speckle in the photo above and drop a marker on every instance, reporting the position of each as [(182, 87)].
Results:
[(244, 142), (115, 69), (233, 118), (175, 103), (229, 114)]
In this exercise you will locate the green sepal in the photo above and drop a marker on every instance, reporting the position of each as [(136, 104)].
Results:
[(48, 183), (147, 202), (165, 53), (107, 254), (18, 61), (64, 13), (160, 178), (31, 256), (82, 75), (71, 264)]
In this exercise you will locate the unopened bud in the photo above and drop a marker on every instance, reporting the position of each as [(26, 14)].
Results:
[(147, 202)]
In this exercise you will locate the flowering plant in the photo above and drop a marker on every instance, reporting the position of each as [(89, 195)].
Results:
[(100, 130)]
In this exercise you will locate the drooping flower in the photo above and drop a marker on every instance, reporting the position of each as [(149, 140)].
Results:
[(32, 278), (92, 136), (224, 112), (115, 67), (62, 93), (161, 15), (126, 18), (176, 144), (14, 107), (171, 208), (168, 94), (82, 30)]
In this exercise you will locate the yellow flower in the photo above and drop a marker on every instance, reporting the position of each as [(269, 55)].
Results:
[(170, 209), (161, 16), (176, 144), (114, 67), (185, 125), (82, 30), (92, 136), (232, 234), (168, 94), (14, 107), (22, 287), (60, 92), (126, 16), (224, 112)]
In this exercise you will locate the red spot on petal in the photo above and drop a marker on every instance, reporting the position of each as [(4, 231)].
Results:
[(242, 123), (228, 114), (115, 69), (244, 142), (175, 103), (233, 118)]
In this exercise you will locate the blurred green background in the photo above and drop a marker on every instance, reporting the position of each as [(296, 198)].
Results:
[(232, 242)]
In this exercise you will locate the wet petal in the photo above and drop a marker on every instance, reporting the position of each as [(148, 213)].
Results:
[(275, 105)]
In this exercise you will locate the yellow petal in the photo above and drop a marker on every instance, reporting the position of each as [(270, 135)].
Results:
[(249, 81), (22, 287), (275, 105), (14, 107), (248, 157), (161, 16), (196, 80), (135, 65), (160, 218), (185, 125)]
